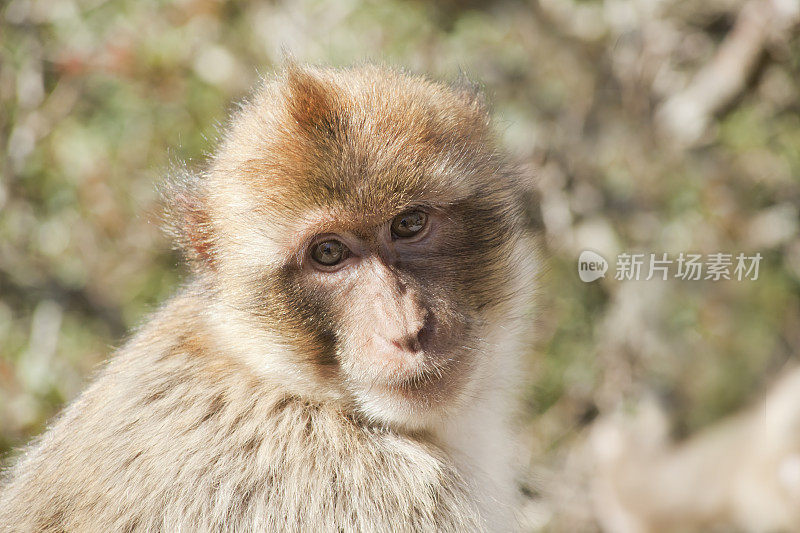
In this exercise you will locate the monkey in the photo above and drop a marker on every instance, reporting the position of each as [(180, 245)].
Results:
[(345, 352)]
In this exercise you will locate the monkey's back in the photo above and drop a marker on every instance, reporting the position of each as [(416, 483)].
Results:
[(170, 437)]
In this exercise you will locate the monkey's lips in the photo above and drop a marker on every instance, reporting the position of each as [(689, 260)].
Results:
[(411, 390), (428, 374)]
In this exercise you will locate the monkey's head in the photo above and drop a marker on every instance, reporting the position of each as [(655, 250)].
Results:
[(362, 239)]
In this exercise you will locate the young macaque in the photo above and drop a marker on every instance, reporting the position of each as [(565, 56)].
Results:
[(345, 353)]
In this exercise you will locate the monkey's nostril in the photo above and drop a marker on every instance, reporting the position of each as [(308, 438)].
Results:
[(426, 331), (416, 342), (408, 344)]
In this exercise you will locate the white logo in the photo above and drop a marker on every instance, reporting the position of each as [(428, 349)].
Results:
[(591, 266)]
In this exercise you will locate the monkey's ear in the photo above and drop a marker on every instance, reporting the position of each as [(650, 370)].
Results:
[(187, 221)]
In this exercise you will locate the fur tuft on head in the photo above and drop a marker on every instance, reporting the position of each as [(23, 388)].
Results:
[(311, 104)]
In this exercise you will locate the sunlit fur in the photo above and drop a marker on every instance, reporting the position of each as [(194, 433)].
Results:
[(257, 398)]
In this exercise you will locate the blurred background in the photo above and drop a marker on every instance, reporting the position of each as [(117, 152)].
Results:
[(647, 126)]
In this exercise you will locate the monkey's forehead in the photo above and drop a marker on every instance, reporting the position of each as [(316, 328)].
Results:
[(368, 139)]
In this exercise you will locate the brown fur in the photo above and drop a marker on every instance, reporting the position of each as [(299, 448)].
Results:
[(250, 401), (168, 439)]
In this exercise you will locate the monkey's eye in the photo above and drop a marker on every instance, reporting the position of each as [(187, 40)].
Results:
[(408, 224), (329, 253)]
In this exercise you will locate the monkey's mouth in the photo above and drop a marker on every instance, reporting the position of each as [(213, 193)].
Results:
[(426, 375), (433, 379)]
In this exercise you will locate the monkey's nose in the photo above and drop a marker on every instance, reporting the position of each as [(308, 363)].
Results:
[(416, 341), (411, 343)]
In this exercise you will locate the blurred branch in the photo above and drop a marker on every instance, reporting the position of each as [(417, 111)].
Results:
[(685, 115), (743, 472)]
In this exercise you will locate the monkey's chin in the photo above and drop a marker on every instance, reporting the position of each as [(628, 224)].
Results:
[(399, 413), (412, 405)]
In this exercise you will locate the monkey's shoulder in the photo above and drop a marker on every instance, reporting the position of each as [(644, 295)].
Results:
[(171, 438)]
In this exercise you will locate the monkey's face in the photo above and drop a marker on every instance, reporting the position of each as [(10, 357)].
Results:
[(400, 306), (394, 310), (368, 226)]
